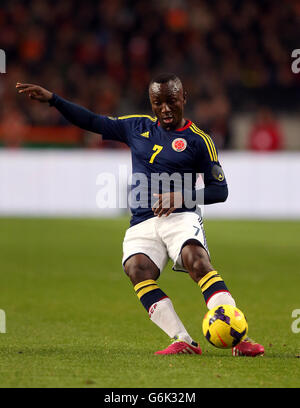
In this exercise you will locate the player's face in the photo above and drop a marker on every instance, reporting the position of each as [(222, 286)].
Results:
[(167, 102)]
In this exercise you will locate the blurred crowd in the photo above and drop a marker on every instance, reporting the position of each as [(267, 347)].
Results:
[(231, 55)]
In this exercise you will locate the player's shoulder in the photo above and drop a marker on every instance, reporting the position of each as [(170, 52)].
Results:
[(204, 141), (198, 133), (138, 118), (137, 122)]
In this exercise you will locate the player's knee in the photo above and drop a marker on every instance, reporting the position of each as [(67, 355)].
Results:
[(199, 268), (198, 265), (135, 270), (197, 262), (140, 268)]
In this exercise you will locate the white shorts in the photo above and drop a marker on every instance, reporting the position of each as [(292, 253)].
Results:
[(162, 238)]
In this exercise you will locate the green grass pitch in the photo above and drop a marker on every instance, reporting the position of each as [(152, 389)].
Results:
[(73, 320)]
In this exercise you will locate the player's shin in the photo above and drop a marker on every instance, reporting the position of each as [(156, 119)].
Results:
[(215, 291), (161, 310)]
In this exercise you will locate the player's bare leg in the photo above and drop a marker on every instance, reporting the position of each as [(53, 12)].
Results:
[(139, 268), (196, 261), (143, 274)]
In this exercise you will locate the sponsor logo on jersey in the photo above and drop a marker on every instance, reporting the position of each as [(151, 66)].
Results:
[(179, 144), (145, 134), (218, 173)]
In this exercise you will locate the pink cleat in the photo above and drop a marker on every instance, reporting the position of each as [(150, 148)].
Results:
[(181, 347), (248, 348)]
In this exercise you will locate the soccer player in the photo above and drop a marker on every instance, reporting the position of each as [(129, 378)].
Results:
[(165, 222)]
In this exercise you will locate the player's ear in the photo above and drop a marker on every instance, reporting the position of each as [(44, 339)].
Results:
[(184, 97)]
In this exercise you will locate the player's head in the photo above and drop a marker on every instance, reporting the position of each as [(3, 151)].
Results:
[(167, 99)]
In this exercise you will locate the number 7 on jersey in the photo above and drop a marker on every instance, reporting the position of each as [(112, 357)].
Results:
[(157, 149)]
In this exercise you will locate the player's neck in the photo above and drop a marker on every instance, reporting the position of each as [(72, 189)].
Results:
[(182, 123)]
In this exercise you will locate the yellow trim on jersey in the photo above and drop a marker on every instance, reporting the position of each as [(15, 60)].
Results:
[(212, 158), (137, 116), (208, 141), (214, 151)]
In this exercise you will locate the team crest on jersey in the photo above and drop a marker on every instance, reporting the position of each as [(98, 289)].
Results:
[(179, 144)]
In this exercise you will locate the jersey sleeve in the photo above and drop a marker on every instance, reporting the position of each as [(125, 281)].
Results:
[(207, 161), (122, 128), (110, 128)]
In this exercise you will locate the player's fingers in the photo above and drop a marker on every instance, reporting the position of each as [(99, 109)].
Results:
[(162, 212), (28, 89), (170, 210), (19, 85), (177, 199), (156, 206), (166, 206), (157, 211)]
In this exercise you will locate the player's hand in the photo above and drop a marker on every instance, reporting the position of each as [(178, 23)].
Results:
[(34, 92), (167, 203)]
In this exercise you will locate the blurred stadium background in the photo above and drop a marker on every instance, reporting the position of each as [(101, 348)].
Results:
[(235, 62)]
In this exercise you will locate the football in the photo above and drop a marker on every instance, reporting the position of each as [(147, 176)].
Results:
[(225, 326)]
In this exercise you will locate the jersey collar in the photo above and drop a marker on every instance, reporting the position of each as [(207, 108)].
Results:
[(186, 126)]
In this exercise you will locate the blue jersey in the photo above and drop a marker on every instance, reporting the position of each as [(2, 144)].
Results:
[(154, 151)]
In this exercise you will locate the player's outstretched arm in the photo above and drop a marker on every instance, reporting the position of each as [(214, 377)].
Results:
[(75, 114), (35, 92)]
